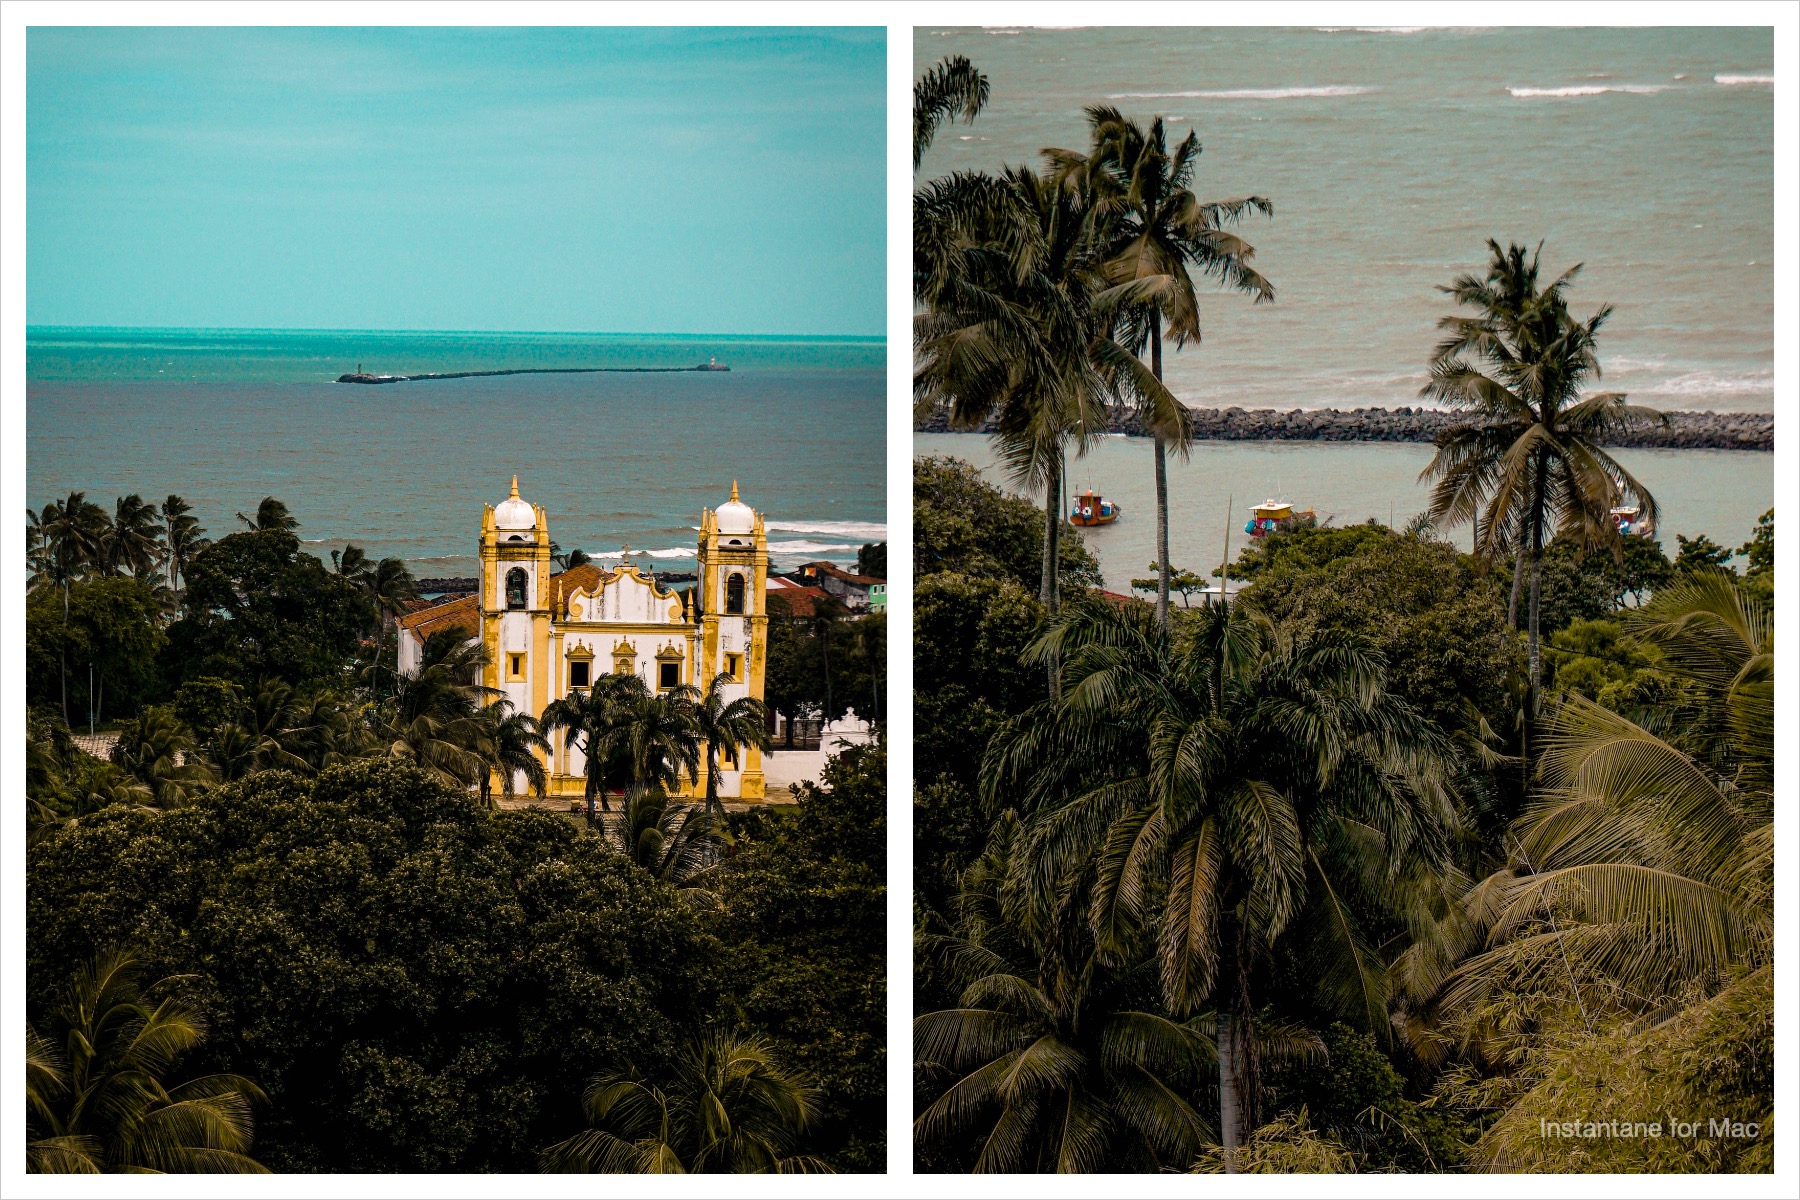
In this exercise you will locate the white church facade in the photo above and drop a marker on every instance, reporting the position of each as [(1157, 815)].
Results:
[(548, 634)]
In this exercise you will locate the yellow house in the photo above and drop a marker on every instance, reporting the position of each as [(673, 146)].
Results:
[(549, 634)]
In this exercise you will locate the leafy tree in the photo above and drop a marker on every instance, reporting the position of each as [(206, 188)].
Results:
[(1436, 618), (1153, 228), (96, 1098), (966, 525), (258, 607), (803, 916), (730, 1108), (871, 560), (1529, 463), (1699, 554), (418, 984), (113, 625)]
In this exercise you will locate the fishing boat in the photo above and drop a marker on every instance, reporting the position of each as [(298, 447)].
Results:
[(1273, 515), (1090, 510), (1630, 521)]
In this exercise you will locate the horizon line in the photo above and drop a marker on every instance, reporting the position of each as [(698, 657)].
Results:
[(811, 337)]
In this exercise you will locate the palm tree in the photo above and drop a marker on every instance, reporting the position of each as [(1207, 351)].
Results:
[(96, 1100), (674, 842), (321, 730), (134, 542), (661, 733), (1153, 228), (270, 514), (950, 89), (1016, 327), (1529, 463), (390, 587), (1642, 875), (728, 1108), (510, 745), (435, 716), (1215, 793), (157, 751), (596, 718), (73, 537), (570, 560), (183, 538), (1052, 1067), (723, 724)]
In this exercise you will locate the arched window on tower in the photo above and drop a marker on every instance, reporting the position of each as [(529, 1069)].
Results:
[(515, 588), (734, 594)]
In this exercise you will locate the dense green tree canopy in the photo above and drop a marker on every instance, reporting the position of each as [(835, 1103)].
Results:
[(416, 984), (965, 524), (257, 606), (114, 625)]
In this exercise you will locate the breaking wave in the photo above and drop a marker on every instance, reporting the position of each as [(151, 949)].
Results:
[(1742, 80), (1588, 89), (871, 530), (1284, 93)]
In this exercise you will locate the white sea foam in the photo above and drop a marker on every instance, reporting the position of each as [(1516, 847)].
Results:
[(863, 529), (672, 552), (1377, 28), (1286, 93), (1588, 89), (790, 548), (1743, 80), (1712, 383)]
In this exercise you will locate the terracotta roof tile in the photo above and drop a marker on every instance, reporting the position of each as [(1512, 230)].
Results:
[(463, 612)]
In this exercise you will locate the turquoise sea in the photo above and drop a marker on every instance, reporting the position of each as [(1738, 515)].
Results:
[(1645, 153), (226, 417)]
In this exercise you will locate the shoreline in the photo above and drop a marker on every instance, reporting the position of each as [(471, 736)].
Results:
[(1685, 431)]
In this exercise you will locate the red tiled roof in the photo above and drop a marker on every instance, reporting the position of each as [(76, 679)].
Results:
[(463, 612), (799, 600), (831, 568)]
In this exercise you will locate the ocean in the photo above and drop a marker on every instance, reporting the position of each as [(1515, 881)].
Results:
[(226, 417), (1720, 493), (1390, 156)]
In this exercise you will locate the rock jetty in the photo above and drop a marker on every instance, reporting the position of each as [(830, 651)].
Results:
[(1685, 430)]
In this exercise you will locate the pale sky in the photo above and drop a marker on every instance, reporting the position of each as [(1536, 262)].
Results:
[(613, 180)]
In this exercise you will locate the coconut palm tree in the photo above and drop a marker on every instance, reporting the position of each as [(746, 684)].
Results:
[(157, 751), (96, 1094), (434, 719), (134, 540), (270, 514), (729, 1107), (1214, 793), (1528, 464), (510, 746), (1642, 874), (1016, 328), (322, 730), (661, 732), (183, 538), (953, 88), (1156, 236), (727, 724), (1050, 1066), (674, 842), (72, 535), (596, 719)]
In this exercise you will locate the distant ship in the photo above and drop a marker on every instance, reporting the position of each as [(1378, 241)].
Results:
[(712, 364)]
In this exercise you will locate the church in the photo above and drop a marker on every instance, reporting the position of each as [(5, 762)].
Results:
[(548, 634)]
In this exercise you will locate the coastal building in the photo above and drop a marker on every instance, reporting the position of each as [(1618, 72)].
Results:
[(548, 633), (856, 591)]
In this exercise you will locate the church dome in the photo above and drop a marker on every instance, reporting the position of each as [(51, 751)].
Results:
[(734, 516), (514, 513)]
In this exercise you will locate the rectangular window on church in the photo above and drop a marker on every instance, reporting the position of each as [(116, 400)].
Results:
[(669, 675), (578, 674), (515, 667), (731, 665)]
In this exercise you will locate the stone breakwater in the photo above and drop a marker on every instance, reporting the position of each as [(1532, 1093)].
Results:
[(1685, 430)]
